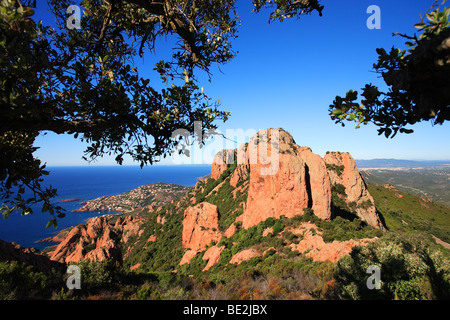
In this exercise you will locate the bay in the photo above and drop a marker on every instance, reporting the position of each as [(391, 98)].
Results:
[(85, 183)]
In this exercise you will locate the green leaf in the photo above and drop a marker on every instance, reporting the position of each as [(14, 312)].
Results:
[(420, 25), (336, 112), (6, 212), (51, 222)]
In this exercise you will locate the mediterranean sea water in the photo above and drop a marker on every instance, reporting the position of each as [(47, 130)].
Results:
[(86, 183)]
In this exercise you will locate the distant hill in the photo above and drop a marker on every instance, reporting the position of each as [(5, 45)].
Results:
[(430, 182), (396, 163)]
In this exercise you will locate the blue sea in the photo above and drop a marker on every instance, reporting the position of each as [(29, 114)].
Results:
[(86, 183)]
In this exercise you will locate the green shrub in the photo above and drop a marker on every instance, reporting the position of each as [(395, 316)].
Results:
[(19, 281), (278, 227), (98, 276), (337, 168), (409, 269), (339, 188)]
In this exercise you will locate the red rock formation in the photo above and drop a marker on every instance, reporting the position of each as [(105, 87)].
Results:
[(163, 219), (130, 227), (99, 235), (283, 180), (222, 161), (267, 231), (232, 228), (355, 187), (212, 255), (244, 255), (188, 255), (299, 181), (68, 246), (200, 226), (319, 183), (242, 170), (136, 266), (107, 250), (319, 250)]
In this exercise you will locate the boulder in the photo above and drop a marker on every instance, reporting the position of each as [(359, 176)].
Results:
[(244, 255), (188, 255), (212, 255)]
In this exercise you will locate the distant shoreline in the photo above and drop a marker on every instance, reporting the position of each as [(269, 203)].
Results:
[(71, 200), (402, 168), (390, 164)]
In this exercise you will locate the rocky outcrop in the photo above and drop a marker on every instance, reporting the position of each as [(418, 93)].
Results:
[(188, 255), (319, 183), (281, 179), (294, 180), (11, 251), (244, 255), (200, 226), (97, 240), (342, 170), (284, 179), (314, 247), (242, 171), (212, 255), (222, 161)]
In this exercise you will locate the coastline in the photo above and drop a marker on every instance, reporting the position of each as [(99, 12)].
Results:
[(87, 182)]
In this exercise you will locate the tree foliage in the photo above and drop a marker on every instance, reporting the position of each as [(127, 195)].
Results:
[(84, 82), (419, 86)]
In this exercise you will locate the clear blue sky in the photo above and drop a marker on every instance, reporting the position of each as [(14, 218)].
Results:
[(287, 74)]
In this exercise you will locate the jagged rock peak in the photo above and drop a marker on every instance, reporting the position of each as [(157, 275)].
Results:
[(285, 179), (96, 240), (343, 171)]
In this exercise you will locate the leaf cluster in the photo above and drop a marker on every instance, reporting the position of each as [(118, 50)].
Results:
[(417, 79)]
